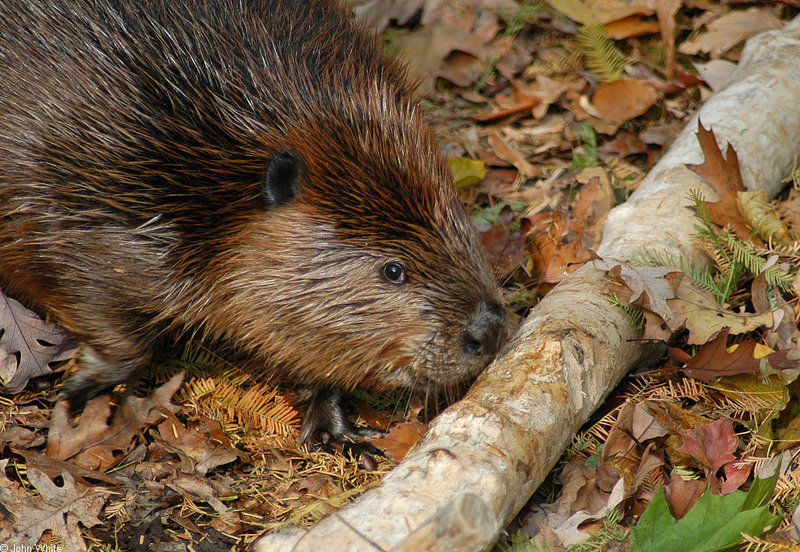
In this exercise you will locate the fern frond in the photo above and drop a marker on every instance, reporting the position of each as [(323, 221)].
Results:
[(603, 58)]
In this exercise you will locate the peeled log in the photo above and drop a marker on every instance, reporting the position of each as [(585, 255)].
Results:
[(484, 456)]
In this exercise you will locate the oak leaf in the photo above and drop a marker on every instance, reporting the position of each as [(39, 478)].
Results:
[(28, 345), (59, 509), (722, 174)]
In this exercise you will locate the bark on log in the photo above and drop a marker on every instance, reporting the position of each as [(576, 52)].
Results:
[(484, 456)]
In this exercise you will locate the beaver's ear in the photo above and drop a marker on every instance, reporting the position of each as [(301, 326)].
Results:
[(283, 178)]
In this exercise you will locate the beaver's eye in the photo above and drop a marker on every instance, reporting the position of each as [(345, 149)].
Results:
[(394, 272)]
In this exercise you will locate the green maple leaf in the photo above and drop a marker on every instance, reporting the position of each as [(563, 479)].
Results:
[(714, 523)]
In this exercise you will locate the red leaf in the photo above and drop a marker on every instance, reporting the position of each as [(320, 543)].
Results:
[(712, 444)]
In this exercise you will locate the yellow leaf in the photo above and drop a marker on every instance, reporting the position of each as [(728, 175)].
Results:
[(758, 213), (466, 172)]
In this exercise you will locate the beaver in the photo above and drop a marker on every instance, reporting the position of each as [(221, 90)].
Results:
[(253, 172)]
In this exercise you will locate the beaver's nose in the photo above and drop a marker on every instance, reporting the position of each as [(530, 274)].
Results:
[(484, 333)]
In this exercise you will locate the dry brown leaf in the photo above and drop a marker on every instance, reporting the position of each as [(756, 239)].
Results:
[(634, 25), (201, 447), (399, 440), (506, 152), (580, 491), (28, 345), (712, 444), (378, 13), (789, 211), (96, 444), (54, 468), (730, 29), (503, 246), (623, 99), (666, 11), (645, 287), (713, 360), (59, 509), (521, 103), (557, 251), (715, 73), (566, 244), (723, 175), (644, 426), (672, 302), (682, 494), (427, 50), (624, 143)]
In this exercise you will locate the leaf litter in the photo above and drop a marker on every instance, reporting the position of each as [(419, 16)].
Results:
[(551, 114)]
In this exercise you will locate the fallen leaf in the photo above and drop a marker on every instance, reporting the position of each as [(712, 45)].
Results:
[(712, 444), (466, 172), (713, 360), (789, 210), (735, 476), (704, 317), (503, 246), (378, 13), (624, 143), (762, 217), (399, 440), (729, 30), (647, 287), (623, 99), (672, 302), (644, 426), (714, 523), (521, 102), (197, 449), (559, 250), (761, 393), (54, 467), (627, 27), (716, 72), (666, 11), (722, 174), (682, 494), (579, 491), (99, 441), (506, 152), (59, 509), (28, 345), (589, 12)]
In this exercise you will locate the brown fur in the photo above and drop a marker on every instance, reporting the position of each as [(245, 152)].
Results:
[(135, 137)]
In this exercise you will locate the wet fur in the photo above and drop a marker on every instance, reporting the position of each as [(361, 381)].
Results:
[(136, 141)]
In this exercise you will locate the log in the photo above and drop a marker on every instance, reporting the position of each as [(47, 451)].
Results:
[(484, 456)]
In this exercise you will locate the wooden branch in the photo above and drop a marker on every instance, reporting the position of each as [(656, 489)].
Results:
[(484, 456)]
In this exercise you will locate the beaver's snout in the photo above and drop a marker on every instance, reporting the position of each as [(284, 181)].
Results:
[(483, 335)]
